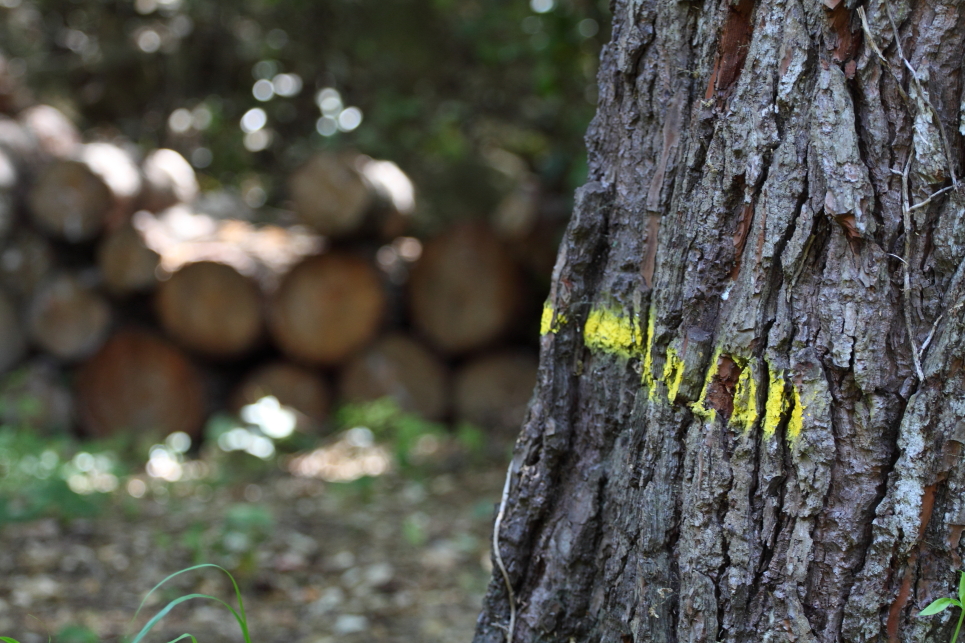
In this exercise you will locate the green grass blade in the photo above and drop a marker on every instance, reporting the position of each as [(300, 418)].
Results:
[(243, 620), (7, 639), (937, 606), (167, 608), (184, 636), (178, 573)]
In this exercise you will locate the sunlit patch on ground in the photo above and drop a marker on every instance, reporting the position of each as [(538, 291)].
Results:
[(353, 456)]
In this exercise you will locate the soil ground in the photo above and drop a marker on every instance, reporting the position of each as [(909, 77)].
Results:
[(399, 559)]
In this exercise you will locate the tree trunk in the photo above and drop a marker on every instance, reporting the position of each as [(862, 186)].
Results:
[(732, 438)]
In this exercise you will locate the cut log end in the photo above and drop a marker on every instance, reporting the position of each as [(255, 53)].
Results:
[(70, 201), (327, 308), (330, 194), (126, 263), (465, 289), (56, 135), (68, 319), (212, 309), (493, 391), (25, 260), (13, 342), (294, 386), (402, 369), (139, 384), (168, 180)]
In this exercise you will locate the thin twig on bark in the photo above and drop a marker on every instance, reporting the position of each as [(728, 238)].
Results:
[(499, 558), (923, 94), (906, 217)]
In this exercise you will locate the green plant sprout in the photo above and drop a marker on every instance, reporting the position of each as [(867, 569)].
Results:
[(942, 604)]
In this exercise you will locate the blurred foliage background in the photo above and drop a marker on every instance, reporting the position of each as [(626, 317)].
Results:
[(442, 87)]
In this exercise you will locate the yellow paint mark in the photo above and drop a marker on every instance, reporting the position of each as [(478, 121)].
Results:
[(796, 423), (612, 332), (546, 321), (777, 401), (673, 374), (699, 408), (647, 369), (550, 322), (745, 399)]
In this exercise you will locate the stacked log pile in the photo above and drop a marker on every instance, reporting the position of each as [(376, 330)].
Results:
[(123, 309)]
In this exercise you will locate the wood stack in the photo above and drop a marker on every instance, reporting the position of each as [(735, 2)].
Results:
[(118, 297)]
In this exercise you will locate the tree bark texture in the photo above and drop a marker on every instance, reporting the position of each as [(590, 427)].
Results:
[(750, 412)]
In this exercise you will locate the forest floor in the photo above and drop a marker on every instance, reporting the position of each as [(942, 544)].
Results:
[(391, 558)]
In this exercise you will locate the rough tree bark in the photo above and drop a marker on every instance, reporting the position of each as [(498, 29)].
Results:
[(750, 413)]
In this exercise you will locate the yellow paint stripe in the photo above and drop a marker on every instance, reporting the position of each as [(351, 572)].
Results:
[(777, 401), (745, 399), (610, 331), (550, 321), (796, 422)]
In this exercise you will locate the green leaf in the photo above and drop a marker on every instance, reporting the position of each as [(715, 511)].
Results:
[(961, 588), (938, 606), (7, 639)]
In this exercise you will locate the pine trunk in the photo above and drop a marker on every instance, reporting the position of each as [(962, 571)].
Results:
[(748, 422)]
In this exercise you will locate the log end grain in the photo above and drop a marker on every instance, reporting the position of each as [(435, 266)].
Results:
[(138, 383), (211, 308), (13, 342), (330, 194), (493, 391), (397, 366), (126, 263), (465, 289), (168, 180), (55, 134), (25, 261), (68, 319), (70, 201), (294, 386), (327, 308)]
